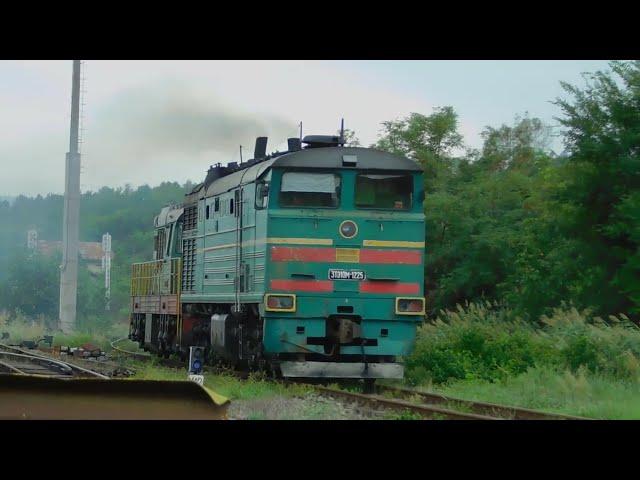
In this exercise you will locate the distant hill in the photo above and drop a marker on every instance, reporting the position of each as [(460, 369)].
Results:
[(7, 198)]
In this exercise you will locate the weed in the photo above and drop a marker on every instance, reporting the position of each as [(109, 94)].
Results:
[(224, 384), (481, 343), (404, 415)]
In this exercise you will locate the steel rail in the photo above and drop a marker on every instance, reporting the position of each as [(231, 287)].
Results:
[(423, 410), (145, 357), (12, 368), (483, 408), (142, 356), (63, 366)]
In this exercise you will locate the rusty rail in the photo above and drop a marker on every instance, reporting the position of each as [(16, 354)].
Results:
[(21, 361), (140, 356), (423, 410), (145, 357), (506, 412)]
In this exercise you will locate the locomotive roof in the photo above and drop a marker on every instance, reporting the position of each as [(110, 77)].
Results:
[(241, 177), (315, 158), (168, 214), (331, 157)]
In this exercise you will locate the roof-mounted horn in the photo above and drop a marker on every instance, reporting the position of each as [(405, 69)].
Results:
[(319, 141)]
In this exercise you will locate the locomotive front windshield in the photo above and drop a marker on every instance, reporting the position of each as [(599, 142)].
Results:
[(304, 189), (389, 192)]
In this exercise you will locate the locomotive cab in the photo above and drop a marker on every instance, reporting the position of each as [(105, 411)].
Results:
[(345, 241)]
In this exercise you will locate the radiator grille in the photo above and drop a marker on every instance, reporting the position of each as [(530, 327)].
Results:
[(190, 217), (188, 264)]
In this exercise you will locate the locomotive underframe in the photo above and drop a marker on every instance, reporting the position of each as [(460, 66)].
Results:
[(236, 339)]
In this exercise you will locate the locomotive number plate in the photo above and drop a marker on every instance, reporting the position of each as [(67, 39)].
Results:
[(338, 274)]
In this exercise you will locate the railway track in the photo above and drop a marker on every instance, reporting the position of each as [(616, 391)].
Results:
[(14, 360), (506, 412), (402, 400), (378, 402), (146, 357), (436, 406)]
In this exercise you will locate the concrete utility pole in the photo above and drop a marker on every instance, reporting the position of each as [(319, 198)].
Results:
[(106, 268), (71, 221)]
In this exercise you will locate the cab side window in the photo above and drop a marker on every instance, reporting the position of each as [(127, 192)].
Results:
[(262, 195)]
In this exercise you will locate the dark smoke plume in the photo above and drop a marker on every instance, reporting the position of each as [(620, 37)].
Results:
[(172, 119)]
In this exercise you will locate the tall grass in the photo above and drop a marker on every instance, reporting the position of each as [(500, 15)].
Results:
[(576, 393), (22, 328), (486, 342), (570, 362)]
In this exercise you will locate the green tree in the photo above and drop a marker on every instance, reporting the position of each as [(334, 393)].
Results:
[(602, 187), (32, 285), (428, 139), (350, 138), (581, 244), (515, 146), (474, 219)]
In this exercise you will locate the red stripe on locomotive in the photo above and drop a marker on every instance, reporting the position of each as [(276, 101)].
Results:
[(411, 257), (296, 254), (390, 287), (302, 285)]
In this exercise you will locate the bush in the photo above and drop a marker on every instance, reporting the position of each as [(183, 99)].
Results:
[(486, 342)]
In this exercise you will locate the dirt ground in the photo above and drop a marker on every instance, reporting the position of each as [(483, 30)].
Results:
[(310, 407)]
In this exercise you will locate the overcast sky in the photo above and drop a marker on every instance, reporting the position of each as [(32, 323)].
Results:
[(151, 121)]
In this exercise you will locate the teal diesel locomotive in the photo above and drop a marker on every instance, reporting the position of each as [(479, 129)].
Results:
[(309, 262)]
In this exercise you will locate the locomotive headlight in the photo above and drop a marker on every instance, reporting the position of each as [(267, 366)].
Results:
[(410, 306), (280, 303), (348, 229)]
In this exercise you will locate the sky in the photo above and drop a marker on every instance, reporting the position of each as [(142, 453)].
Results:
[(144, 122)]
